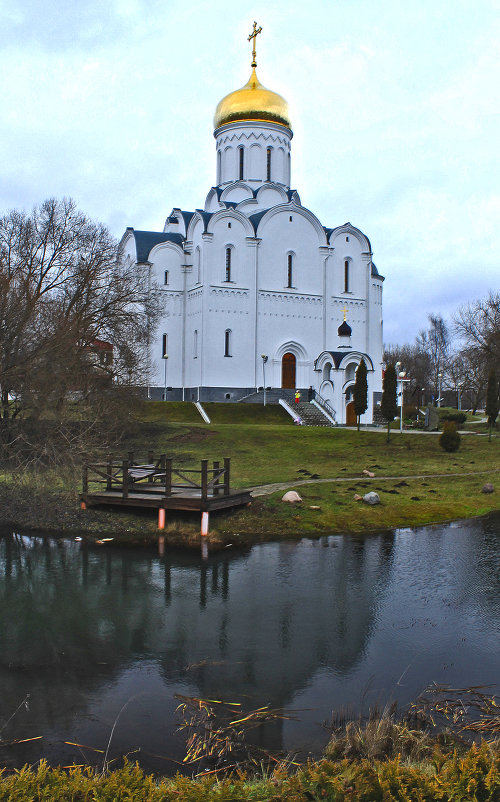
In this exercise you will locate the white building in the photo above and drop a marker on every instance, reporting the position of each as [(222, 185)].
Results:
[(254, 274)]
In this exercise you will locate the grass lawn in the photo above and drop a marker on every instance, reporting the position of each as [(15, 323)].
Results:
[(264, 453), (266, 448)]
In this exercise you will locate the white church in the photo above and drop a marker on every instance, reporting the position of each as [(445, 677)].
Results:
[(256, 291)]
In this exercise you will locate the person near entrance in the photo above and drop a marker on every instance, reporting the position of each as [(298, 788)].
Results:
[(297, 396)]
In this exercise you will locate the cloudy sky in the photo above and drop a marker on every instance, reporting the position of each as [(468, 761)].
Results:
[(395, 109)]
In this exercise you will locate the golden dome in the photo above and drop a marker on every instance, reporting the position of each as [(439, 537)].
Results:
[(252, 102)]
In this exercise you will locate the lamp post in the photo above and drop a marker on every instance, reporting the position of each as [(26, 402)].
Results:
[(165, 358), (440, 376), (401, 374), (264, 358)]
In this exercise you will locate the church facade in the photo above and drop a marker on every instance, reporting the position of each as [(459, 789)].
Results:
[(255, 290)]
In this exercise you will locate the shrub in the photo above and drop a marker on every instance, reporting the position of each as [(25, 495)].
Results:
[(409, 411), (449, 440), (451, 415)]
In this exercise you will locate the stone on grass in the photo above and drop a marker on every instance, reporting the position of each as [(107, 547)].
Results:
[(488, 488), (371, 498), (291, 497), (368, 473)]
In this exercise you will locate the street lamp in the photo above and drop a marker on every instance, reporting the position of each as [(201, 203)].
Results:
[(264, 358), (440, 376), (165, 358), (401, 378)]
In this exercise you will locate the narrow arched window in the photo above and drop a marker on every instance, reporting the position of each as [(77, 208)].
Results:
[(241, 162), (219, 166), (164, 347), (165, 277), (289, 270), (268, 164), (228, 264), (227, 342), (346, 275), (195, 343), (198, 266)]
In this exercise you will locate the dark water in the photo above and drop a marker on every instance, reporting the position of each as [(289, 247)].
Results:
[(312, 626)]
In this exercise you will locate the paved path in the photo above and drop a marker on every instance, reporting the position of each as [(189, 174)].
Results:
[(266, 490)]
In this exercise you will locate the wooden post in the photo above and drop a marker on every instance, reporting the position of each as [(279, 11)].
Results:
[(85, 480), (216, 481), (161, 518), (168, 477), (204, 524), (227, 466), (125, 478), (204, 479), (109, 473)]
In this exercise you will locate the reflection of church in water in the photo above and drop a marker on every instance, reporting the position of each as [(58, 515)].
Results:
[(253, 278)]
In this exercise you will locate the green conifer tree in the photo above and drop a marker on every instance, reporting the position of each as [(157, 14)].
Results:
[(389, 405), (492, 401), (360, 392)]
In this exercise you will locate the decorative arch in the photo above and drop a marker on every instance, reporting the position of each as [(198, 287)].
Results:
[(235, 185), (291, 208), (293, 346), (232, 215), (355, 356), (349, 230)]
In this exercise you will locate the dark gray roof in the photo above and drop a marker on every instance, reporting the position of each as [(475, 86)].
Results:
[(145, 241), (187, 218), (205, 216), (256, 218), (375, 272), (327, 231)]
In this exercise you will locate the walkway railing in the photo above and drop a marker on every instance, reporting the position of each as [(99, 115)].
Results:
[(157, 476)]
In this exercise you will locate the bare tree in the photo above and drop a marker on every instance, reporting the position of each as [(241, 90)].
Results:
[(435, 342), (478, 325), (65, 302), (417, 364)]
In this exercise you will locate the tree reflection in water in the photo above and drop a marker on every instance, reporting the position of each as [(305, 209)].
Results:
[(281, 624)]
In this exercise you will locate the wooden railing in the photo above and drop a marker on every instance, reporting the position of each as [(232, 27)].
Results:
[(157, 476)]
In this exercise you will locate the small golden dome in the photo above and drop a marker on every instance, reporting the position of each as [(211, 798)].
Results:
[(252, 102)]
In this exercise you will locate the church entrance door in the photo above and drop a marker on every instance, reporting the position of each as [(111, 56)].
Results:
[(288, 367), (350, 415)]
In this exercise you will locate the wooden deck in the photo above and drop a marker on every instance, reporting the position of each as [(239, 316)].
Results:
[(158, 484)]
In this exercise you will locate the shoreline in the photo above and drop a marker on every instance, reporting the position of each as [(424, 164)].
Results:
[(60, 517)]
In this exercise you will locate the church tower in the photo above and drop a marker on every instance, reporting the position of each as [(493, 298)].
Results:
[(255, 290), (253, 134)]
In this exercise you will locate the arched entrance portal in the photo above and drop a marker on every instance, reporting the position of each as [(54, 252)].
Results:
[(350, 415), (288, 371)]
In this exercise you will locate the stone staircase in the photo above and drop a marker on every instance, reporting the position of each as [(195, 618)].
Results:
[(311, 415)]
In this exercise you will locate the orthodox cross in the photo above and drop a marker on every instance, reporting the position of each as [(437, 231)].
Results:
[(345, 312), (253, 36)]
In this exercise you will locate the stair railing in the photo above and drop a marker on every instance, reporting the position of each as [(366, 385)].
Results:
[(326, 405)]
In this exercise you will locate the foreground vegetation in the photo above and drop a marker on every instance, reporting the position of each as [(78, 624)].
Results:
[(474, 775), (418, 483)]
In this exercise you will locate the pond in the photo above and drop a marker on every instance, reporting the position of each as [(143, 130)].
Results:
[(93, 638)]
